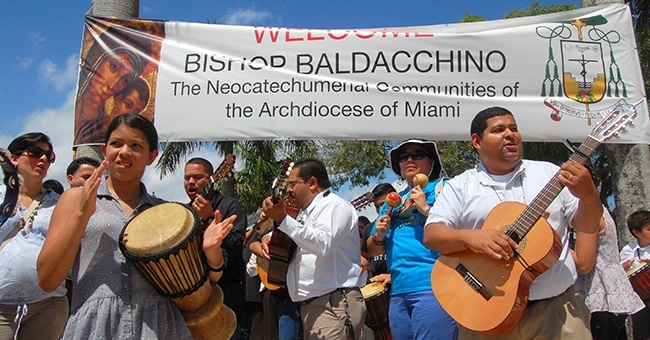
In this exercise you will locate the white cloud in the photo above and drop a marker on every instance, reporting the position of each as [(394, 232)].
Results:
[(57, 124), (60, 78), (37, 39), (26, 62), (246, 17)]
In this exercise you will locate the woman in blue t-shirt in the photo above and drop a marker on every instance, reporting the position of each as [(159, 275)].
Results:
[(414, 312)]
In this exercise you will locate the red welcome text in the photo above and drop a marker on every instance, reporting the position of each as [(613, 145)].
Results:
[(289, 35)]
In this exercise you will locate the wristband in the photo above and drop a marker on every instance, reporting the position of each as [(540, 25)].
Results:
[(223, 265), (377, 242)]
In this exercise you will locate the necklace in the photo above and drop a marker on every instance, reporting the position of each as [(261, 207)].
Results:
[(27, 218)]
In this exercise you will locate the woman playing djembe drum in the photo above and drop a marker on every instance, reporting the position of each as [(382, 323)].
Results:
[(111, 298)]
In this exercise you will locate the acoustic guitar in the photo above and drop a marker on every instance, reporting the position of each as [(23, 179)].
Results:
[(273, 273), (490, 296), (284, 242), (222, 171)]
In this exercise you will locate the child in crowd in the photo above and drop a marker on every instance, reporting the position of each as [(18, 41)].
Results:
[(636, 254)]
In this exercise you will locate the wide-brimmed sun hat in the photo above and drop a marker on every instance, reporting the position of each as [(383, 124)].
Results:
[(428, 146)]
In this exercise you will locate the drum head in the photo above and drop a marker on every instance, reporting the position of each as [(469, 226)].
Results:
[(372, 289), (635, 268), (158, 229)]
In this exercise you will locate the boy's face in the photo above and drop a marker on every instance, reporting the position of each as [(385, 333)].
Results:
[(128, 103), (643, 235)]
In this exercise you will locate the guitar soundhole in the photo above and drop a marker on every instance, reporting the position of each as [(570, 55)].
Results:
[(510, 231)]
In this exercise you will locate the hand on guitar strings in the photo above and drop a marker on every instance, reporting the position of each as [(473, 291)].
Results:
[(277, 212), (266, 240), (263, 223), (202, 207), (491, 242)]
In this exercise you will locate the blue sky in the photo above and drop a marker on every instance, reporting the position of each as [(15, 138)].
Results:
[(41, 42)]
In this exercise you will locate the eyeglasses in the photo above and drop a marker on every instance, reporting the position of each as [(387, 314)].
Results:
[(292, 184), (38, 152), (416, 155)]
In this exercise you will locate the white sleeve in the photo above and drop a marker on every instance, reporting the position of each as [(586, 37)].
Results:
[(251, 266)]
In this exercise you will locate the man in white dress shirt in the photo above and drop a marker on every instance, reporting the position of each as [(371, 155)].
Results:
[(325, 271)]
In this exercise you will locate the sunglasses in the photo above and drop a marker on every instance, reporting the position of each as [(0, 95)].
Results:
[(416, 155), (38, 152)]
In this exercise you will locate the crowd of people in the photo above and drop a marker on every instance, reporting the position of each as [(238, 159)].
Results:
[(63, 273)]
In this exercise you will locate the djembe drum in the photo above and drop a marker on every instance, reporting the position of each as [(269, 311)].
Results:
[(639, 275), (164, 242), (377, 299)]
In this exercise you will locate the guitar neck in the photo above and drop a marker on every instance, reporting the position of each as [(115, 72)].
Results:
[(540, 203), (222, 171)]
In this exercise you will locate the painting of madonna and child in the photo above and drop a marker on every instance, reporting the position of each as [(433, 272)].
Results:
[(119, 66)]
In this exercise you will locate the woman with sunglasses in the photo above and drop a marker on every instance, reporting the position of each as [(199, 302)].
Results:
[(26, 311), (414, 312)]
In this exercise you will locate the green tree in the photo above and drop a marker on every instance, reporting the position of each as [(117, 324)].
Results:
[(259, 161)]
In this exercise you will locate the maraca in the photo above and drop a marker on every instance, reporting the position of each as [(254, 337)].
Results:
[(392, 199), (421, 180)]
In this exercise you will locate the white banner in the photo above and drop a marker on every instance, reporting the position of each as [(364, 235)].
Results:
[(219, 82)]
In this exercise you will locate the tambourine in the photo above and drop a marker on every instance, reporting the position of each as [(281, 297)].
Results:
[(12, 184)]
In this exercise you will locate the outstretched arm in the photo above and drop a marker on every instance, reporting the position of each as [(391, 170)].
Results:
[(67, 226)]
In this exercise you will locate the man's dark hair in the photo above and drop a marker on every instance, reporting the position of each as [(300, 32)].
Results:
[(637, 220), (54, 185), (79, 161), (479, 123), (203, 162), (308, 168), (364, 220), (382, 189)]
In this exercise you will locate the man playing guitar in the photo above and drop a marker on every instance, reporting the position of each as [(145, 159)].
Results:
[(325, 269), (457, 222)]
